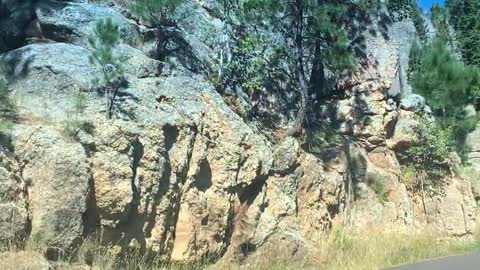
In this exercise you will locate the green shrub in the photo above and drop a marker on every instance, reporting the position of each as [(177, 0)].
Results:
[(428, 154), (465, 19), (440, 21), (71, 127), (409, 176), (159, 13), (377, 182)]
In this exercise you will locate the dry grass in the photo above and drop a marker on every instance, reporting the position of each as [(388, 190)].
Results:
[(374, 249), (365, 250), (340, 250), (22, 260)]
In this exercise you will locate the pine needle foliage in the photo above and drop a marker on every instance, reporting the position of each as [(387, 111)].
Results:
[(439, 17), (155, 11), (465, 19), (159, 14), (310, 37), (448, 86), (105, 37)]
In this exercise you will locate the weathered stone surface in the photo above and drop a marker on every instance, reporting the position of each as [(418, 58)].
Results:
[(45, 77), (473, 141), (14, 216), (403, 34), (402, 136), (452, 213), (73, 22), (58, 175), (177, 172)]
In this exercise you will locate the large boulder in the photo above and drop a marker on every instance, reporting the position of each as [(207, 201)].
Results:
[(59, 185), (74, 22), (45, 77), (402, 135), (413, 103)]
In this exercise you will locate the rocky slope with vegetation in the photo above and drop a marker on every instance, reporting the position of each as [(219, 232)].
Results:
[(198, 160)]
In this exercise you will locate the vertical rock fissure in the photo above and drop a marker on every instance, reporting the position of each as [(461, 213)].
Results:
[(90, 218), (181, 176), (137, 154), (240, 232), (134, 219)]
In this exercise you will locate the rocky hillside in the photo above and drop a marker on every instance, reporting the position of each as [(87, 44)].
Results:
[(178, 170)]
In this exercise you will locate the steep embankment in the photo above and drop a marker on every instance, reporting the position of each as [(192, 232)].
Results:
[(177, 171)]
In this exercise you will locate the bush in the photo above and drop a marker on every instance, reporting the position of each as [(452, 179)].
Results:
[(409, 176), (464, 17), (427, 155), (377, 182), (447, 84), (159, 13)]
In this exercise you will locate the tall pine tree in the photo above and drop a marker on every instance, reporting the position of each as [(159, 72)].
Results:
[(465, 18), (314, 39)]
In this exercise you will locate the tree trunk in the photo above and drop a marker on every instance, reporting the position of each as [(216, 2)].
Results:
[(317, 76), (113, 96), (107, 102), (297, 8)]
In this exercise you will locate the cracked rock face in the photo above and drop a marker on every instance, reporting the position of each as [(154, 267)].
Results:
[(14, 215), (58, 175), (180, 174)]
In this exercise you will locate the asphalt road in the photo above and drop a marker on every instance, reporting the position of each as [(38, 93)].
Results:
[(466, 262)]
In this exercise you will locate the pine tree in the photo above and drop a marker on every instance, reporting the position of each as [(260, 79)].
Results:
[(314, 40), (465, 18), (440, 21), (159, 14), (448, 87), (445, 82), (105, 38)]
